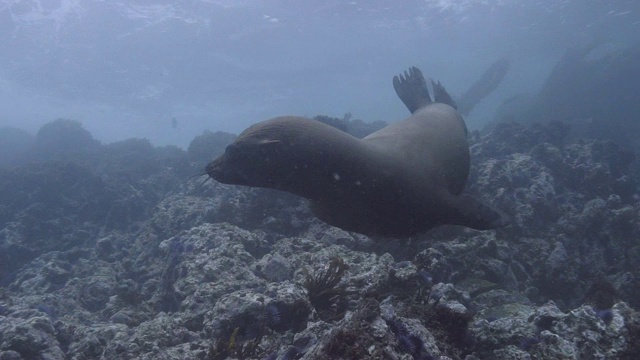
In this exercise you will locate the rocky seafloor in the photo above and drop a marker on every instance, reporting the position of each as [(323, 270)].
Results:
[(118, 252)]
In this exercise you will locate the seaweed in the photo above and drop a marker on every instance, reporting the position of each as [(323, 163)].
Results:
[(325, 293)]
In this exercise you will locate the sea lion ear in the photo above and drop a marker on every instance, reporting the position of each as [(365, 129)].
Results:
[(273, 141), (270, 146)]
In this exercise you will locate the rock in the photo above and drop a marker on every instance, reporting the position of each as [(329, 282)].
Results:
[(128, 260)]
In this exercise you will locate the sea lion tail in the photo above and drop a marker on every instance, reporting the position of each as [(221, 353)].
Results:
[(412, 89), (477, 215)]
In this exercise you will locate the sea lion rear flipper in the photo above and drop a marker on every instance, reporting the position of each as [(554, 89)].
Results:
[(412, 89), (440, 95), (478, 215)]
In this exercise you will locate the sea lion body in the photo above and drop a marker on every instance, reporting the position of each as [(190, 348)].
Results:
[(420, 141), (399, 181)]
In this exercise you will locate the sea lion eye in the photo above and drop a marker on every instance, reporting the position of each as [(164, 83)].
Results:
[(232, 150)]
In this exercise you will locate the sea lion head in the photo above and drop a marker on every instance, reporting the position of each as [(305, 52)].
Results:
[(252, 160), (289, 153), (283, 153)]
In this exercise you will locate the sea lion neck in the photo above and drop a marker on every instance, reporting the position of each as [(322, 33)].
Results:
[(312, 157)]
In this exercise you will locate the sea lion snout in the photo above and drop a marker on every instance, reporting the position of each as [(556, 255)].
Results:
[(224, 171), (214, 169), (247, 163)]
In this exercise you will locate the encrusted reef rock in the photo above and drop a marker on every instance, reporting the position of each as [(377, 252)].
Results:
[(548, 333), (64, 138), (103, 259), (574, 207)]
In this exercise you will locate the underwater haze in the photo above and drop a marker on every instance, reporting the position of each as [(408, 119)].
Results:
[(135, 224), (127, 68)]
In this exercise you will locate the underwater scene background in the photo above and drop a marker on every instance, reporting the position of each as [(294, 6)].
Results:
[(114, 246)]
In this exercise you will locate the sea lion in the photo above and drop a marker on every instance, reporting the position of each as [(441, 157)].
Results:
[(399, 181)]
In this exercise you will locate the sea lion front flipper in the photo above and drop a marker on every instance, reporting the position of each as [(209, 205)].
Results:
[(412, 89), (478, 215)]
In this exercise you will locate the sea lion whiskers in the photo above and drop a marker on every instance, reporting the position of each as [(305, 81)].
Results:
[(205, 180)]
